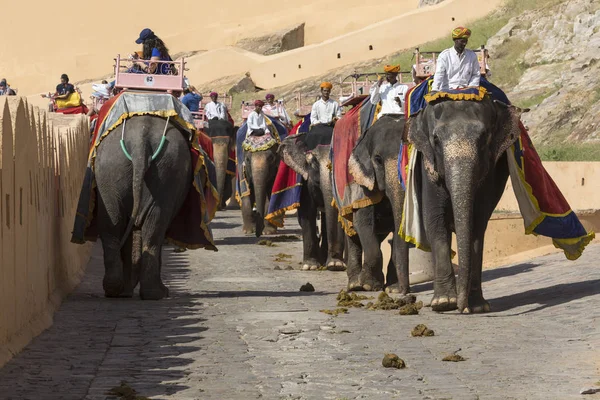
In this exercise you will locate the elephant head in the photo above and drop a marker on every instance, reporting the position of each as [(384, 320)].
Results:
[(221, 133), (374, 159), (312, 165), (460, 143)]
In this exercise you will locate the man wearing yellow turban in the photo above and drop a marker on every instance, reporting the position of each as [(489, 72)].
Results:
[(390, 93), (325, 111), (457, 67)]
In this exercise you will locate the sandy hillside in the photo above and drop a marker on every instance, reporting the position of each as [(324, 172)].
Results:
[(43, 40)]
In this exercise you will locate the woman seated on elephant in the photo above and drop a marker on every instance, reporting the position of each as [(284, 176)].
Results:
[(155, 51)]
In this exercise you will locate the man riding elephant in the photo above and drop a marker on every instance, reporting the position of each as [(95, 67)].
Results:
[(390, 93), (457, 67), (308, 155), (466, 139)]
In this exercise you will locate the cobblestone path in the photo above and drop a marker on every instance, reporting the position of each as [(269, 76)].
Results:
[(236, 328)]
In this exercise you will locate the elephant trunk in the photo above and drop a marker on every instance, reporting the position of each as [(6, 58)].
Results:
[(461, 182), (221, 158), (260, 187)]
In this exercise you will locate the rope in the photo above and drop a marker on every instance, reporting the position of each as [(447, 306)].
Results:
[(160, 145)]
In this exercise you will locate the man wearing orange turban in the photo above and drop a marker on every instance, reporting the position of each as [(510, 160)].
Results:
[(457, 67), (325, 111), (390, 93), (257, 124)]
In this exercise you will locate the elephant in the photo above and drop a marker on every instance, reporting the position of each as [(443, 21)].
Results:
[(461, 172), (374, 165), (137, 200), (260, 170), (222, 134), (316, 195)]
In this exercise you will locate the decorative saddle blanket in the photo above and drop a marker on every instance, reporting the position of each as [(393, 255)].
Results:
[(347, 194), (287, 188), (190, 228), (543, 207), (254, 143)]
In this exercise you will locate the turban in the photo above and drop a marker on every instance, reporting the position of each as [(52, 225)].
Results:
[(259, 103), (326, 85), (461, 33), (270, 96), (392, 68), (213, 94)]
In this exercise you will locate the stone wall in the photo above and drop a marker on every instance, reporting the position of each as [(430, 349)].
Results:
[(42, 163)]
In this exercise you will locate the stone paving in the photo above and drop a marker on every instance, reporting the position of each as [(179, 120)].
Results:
[(236, 328)]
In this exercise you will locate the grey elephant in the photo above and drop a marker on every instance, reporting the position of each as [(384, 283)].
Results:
[(258, 173), (316, 196), (461, 173), (374, 164), (137, 200), (222, 135)]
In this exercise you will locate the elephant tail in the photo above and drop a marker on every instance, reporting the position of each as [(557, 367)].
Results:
[(141, 164)]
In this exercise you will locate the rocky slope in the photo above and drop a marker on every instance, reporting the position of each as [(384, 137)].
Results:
[(558, 49)]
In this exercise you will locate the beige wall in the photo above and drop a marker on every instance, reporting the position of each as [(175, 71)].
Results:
[(42, 162), (578, 181)]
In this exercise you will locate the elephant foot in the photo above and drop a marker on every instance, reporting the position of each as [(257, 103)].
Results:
[(443, 303), (396, 289), (260, 226), (335, 265), (154, 293), (355, 286), (310, 265), (476, 305), (113, 286), (371, 283), (248, 230), (270, 229)]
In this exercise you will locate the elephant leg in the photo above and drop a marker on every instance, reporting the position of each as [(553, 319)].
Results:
[(477, 304), (153, 233), (136, 257), (233, 203), (397, 278), (247, 218), (354, 263), (335, 239), (307, 217), (127, 257), (371, 276), (111, 234), (269, 229), (439, 235)]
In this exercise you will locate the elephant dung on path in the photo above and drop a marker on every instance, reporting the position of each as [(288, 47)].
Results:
[(461, 174), (374, 165), (316, 195), (145, 192)]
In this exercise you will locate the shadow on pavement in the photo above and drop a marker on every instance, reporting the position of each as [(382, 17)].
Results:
[(488, 275), (547, 297), (96, 342), (262, 293)]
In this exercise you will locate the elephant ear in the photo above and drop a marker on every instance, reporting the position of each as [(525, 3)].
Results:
[(293, 153), (508, 127), (419, 136), (360, 164)]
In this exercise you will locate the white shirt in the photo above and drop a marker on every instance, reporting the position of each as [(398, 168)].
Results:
[(217, 109), (277, 111), (454, 71), (256, 121), (323, 111), (386, 93)]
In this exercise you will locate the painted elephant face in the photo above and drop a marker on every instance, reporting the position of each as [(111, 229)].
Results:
[(374, 160), (295, 154), (471, 134)]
